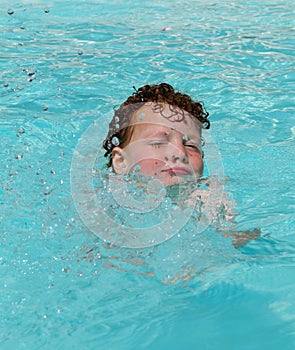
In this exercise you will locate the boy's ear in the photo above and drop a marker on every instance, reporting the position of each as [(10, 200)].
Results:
[(119, 161)]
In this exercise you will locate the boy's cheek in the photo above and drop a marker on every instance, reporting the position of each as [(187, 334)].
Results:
[(150, 166), (198, 166)]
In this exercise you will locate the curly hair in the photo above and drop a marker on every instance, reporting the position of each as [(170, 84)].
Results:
[(120, 128)]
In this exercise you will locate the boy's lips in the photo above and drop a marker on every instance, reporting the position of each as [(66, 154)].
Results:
[(178, 171)]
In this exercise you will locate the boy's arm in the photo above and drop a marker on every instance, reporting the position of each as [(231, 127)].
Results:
[(221, 213), (240, 238)]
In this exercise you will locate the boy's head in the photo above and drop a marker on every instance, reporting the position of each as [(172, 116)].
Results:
[(157, 131)]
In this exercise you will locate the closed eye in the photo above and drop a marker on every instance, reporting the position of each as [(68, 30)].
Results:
[(193, 147), (157, 143)]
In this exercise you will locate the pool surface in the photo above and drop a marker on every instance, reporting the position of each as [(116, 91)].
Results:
[(64, 66)]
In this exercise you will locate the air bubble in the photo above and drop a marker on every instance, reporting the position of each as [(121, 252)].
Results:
[(5, 85), (46, 10), (185, 138), (45, 108), (115, 141), (117, 119), (80, 52), (10, 12), (117, 127), (141, 116)]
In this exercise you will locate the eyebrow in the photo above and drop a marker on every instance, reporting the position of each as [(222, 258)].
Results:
[(166, 129)]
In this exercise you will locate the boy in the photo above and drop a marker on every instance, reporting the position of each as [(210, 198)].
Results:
[(158, 132)]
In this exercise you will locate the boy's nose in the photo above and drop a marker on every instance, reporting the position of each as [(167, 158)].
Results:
[(179, 151), (183, 159)]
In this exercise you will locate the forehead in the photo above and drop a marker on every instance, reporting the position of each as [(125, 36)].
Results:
[(157, 116)]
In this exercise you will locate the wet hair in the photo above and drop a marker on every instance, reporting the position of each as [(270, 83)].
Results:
[(120, 128)]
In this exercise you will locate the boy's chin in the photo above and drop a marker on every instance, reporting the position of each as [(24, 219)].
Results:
[(175, 180)]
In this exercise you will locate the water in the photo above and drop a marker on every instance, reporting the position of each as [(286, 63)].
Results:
[(65, 65)]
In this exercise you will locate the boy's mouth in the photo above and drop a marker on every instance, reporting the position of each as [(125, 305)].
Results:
[(178, 171)]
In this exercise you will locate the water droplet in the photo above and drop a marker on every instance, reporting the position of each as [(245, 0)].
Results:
[(115, 141), (47, 192), (137, 168), (30, 73), (117, 127), (10, 12), (141, 116), (20, 131), (165, 29)]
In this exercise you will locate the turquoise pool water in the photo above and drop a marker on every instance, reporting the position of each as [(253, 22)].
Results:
[(65, 65)]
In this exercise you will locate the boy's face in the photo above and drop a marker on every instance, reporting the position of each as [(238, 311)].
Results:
[(165, 144)]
